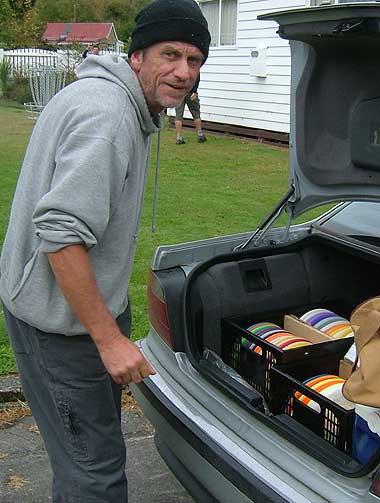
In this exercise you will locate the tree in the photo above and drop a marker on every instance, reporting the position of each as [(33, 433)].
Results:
[(21, 7), (19, 26), (6, 16), (27, 31), (52, 11), (122, 13)]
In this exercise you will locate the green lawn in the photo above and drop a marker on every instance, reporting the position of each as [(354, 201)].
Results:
[(223, 186)]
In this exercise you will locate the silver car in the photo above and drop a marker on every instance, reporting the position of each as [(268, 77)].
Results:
[(229, 419)]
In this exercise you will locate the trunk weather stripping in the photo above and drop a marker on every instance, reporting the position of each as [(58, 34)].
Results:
[(270, 220)]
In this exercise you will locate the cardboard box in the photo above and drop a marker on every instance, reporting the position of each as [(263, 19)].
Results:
[(345, 369), (301, 329)]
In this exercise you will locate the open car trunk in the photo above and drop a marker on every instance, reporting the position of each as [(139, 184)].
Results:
[(334, 156), (229, 293)]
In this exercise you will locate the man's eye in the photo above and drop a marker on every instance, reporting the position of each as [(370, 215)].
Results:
[(195, 62)]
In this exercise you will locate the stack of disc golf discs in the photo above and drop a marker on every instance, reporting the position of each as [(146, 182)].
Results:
[(329, 323), (274, 334), (329, 386)]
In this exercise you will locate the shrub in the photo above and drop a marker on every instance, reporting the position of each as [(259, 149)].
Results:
[(71, 76), (18, 89), (5, 73)]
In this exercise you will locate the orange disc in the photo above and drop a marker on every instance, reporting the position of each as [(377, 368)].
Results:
[(320, 387)]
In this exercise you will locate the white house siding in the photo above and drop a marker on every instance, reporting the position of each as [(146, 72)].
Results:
[(229, 93)]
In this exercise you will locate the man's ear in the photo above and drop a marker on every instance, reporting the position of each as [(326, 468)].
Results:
[(136, 60)]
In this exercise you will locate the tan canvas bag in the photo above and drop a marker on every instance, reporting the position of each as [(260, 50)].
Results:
[(363, 385)]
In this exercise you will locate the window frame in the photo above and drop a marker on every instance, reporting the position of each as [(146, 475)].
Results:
[(218, 44)]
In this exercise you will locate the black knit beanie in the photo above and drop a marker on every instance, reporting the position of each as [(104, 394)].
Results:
[(170, 20)]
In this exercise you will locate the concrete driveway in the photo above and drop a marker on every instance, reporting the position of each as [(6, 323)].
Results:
[(25, 474)]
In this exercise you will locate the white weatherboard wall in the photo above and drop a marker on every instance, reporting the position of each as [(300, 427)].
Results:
[(230, 90)]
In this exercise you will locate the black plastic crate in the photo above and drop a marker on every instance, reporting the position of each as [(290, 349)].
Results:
[(333, 423), (255, 368)]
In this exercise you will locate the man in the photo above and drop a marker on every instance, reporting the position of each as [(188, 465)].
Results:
[(95, 50), (68, 252), (192, 102), (92, 50)]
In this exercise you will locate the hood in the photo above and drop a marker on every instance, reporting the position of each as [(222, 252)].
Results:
[(117, 70), (335, 103)]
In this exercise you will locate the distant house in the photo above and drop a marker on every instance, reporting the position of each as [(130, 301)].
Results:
[(83, 33)]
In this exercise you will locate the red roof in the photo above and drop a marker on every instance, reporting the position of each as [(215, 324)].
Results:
[(77, 32)]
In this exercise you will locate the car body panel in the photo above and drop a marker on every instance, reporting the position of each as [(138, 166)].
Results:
[(339, 12), (260, 451), (191, 253), (212, 468)]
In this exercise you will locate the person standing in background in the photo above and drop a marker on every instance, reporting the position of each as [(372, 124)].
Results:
[(192, 102), (93, 50)]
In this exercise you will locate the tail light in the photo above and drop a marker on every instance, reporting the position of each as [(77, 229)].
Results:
[(157, 309), (375, 486)]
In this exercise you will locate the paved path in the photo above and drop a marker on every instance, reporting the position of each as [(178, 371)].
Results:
[(25, 474)]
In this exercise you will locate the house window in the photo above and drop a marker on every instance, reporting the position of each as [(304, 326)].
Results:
[(221, 16)]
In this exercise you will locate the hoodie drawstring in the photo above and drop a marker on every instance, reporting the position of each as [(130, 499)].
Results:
[(155, 198)]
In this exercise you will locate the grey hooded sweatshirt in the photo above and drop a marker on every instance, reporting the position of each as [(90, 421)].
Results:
[(82, 182)]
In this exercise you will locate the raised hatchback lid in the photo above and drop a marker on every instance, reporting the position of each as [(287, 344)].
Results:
[(335, 102)]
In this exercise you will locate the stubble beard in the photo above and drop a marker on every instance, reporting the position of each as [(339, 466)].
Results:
[(169, 102)]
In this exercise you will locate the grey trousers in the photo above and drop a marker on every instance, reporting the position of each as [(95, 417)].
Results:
[(77, 408)]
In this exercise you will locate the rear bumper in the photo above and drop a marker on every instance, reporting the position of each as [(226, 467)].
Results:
[(187, 479), (220, 477)]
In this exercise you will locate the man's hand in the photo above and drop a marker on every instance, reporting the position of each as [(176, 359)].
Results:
[(124, 361), (75, 276)]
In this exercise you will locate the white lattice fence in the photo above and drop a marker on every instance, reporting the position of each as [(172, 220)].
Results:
[(23, 61)]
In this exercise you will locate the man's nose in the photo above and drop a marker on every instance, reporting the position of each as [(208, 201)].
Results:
[(182, 69)]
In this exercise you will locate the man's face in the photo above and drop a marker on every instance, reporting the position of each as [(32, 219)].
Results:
[(167, 71), (95, 50)]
